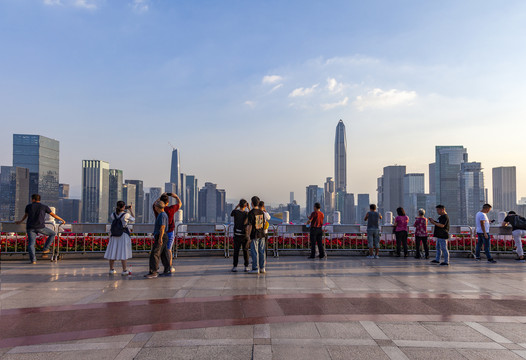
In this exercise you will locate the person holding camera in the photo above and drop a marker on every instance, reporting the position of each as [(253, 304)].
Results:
[(119, 245), (170, 232)]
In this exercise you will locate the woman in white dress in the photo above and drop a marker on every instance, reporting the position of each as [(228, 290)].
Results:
[(119, 247)]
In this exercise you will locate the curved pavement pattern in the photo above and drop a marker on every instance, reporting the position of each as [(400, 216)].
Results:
[(390, 308)]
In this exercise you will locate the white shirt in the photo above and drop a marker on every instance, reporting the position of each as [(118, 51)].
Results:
[(125, 219), (482, 217)]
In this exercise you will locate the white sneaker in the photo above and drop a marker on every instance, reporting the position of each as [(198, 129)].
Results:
[(125, 273), (234, 269), (263, 271), (172, 269), (370, 256), (247, 269), (377, 256), (254, 271), (112, 272)]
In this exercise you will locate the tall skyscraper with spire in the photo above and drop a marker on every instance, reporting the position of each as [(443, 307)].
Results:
[(175, 172), (340, 158)]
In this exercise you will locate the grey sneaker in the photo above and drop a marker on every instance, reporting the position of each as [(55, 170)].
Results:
[(112, 272), (263, 271), (370, 256), (234, 269), (377, 256), (247, 269), (254, 271)]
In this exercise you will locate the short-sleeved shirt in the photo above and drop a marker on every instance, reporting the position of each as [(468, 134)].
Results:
[(442, 233), (420, 226), (316, 219), (256, 218), (401, 223), (373, 220), (162, 219), (482, 217), (240, 224), (170, 212), (36, 215), (509, 219), (127, 218)]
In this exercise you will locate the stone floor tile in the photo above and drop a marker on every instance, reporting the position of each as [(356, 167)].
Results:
[(406, 331), (342, 330), (262, 352), (32, 356), (294, 331), (89, 355), (168, 353), (432, 354), (300, 352), (356, 352), (230, 332), (455, 332), (515, 332), (224, 352), (477, 354)]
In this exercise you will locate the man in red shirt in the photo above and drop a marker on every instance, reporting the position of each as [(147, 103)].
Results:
[(316, 232), (170, 211)]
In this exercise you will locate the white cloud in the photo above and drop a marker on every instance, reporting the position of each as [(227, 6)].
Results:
[(250, 103), (379, 99), (86, 4), (271, 79), (52, 2), (276, 88), (83, 4), (331, 106), (303, 91), (334, 86), (140, 6)]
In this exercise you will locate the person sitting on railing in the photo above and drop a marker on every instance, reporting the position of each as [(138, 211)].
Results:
[(35, 213), (119, 245), (516, 232)]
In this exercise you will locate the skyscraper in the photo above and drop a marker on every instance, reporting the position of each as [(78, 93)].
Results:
[(128, 195), (504, 188), (63, 191), (362, 207), (14, 192), (138, 204), (448, 160), (472, 192), (414, 187), (40, 155), (95, 191), (175, 173), (314, 195), (391, 188), (212, 204), (340, 158), (154, 194), (115, 189), (329, 197), (191, 205)]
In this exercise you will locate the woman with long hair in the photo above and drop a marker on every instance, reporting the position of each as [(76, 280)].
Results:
[(119, 245)]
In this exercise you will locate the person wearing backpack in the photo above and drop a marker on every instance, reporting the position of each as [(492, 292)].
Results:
[(256, 233), (240, 214), (119, 245), (515, 221)]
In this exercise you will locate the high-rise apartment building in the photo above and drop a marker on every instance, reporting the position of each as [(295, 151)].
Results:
[(153, 195), (432, 178), (14, 192), (504, 188), (115, 190), (175, 172), (329, 197), (40, 155), (414, 187), (472, 192), (448, 160), (171, 188), (314, 195), (95, 191), (70, 210), (128, 195), (138, 204), (391, 188), (340, 158), (63, 191), (362, 207), (294, 211), (212, 204), (191, 205)]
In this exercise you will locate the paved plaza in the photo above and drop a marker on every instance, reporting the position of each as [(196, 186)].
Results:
[(340, 308)]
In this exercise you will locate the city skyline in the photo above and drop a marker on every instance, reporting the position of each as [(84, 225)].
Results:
[(105, 78)]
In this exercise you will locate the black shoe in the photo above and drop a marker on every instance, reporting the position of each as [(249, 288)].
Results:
[(493, 261), (166, 273), (397, 255), (427, 256), (406, 255), (435, 262), (417, 257), (444, 264)]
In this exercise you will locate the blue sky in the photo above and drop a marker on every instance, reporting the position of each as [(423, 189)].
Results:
[(251, 92)]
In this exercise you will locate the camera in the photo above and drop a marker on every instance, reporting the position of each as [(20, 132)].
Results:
[(127, 207), (169, 194)]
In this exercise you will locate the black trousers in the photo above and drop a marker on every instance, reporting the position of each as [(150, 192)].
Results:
[(240, 241), (422, 239), (316, 238), (159, 252), (401, 239)]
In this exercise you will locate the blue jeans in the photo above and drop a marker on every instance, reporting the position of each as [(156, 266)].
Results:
[(171, 238), (31, 239), (485, 241), (442, 248), (257, 251), (373, 238)]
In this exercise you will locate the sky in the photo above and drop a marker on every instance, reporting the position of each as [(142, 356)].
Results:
[(250, 92)]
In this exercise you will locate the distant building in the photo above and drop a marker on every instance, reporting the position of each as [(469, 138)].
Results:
[(349, 210), (138, 204), (115, 190), (414, 187), (175, 172), (472, 192), (362, 207), (314, 195), (154, 194), (504, 188), (329, 197), (128, 195), (40, 155), (191, 203), (340, 158), (63, 191), (448, 160), (294, 211), (391, 189), (70, 210), (171, 188), (291, 196), (14, 192), (212, 204), (95, 191), (146, 209), (432, 178)]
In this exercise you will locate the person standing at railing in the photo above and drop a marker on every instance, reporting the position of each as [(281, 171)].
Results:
[(35, 213), (267, 223), (255, 230), (240, 215), (316, 232), (421, 234), (516, 232), (441, 235), (160, 240), (401, 231), (373, 218), (170, 212), (119, 246), (482, 224)]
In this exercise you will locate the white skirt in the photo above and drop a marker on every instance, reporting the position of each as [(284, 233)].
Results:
[(119, 248)]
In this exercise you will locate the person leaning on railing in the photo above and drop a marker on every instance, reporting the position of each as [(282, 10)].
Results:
[(35, 213), (517, 233)]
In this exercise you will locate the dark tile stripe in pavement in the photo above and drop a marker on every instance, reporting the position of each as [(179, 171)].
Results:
[(75, 322)]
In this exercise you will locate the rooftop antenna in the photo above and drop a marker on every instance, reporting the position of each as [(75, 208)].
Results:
[(173, 147)]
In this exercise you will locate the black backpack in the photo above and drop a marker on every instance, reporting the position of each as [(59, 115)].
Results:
[(117, 228), (518, 222)]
